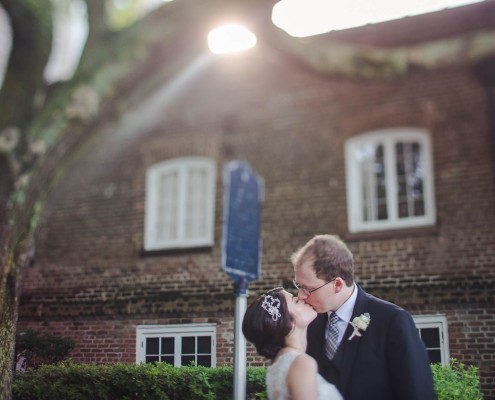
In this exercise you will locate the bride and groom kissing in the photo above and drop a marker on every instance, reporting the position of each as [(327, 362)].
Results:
[(334, 340)]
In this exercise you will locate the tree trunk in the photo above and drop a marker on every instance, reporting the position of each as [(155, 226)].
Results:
[(31, 43)]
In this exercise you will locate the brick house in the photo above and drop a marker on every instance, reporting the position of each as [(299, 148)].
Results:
[(129, 246)]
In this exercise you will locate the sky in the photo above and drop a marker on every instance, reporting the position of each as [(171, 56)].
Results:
[(302, 18)]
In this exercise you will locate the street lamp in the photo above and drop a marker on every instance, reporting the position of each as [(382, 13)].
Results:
[(230, 38)]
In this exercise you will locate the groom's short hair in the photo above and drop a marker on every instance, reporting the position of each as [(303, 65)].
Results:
[(330, 256)]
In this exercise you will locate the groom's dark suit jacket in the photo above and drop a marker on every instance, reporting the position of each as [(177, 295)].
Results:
[(388, 362)]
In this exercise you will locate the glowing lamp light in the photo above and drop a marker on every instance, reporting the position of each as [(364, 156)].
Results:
[(230, 38)]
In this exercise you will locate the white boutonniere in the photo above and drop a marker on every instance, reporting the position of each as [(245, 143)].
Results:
[(360, 324)]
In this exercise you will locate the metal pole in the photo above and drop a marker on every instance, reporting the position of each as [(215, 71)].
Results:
[(240, 288)]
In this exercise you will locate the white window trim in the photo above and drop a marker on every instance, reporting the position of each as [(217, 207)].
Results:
[(436, 321), (152, 203), (354, 185), (144, 331)]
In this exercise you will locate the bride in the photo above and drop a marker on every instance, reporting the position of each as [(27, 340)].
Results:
[(276, 323)]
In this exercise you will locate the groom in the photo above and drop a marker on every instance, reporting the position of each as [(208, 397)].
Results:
[(385, 358)]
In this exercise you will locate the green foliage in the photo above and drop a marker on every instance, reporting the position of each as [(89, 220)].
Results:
[(123, 13), (162, 381), (42, 348), (256, 387), (67, 380), (159, 381), (456, 381)]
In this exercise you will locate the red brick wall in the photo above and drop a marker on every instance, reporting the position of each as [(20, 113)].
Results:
[(92, 281), (114, 341)]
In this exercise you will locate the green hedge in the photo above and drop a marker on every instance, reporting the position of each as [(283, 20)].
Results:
[(42, 348), (161, 381), (456, 381)]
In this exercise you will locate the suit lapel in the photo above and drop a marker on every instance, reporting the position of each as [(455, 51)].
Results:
[(351, 347)]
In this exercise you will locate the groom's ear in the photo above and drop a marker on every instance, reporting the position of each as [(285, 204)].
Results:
[(339, 284)]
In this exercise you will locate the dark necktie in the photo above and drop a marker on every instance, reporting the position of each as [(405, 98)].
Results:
[(332, 335)]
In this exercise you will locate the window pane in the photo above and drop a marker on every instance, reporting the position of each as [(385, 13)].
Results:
[(168, 345), (417, 186), (204, 361), (168, 360), (374, 189), (187, 360), (152, 346), (402, 185), (152, 359), (195, 223), (381, 189), (189, 345), (403, 208), (382, 211), (204, 345), (431, 337), (365, 196), (410, 170), (435, 356), (417, 180), (401, 155), (418, 196), (176, 344), (419, 208), (168, 207)]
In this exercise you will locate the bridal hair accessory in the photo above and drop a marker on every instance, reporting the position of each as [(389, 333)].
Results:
[(272, 305), (360, 324)]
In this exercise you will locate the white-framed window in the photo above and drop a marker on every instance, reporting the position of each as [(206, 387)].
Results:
[(433, 331), (178, 345), (180, 203), (389, 177)]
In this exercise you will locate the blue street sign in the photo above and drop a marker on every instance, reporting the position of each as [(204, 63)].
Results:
[(241, 243)]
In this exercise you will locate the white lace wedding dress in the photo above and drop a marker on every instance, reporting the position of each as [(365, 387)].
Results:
[(276, 384)]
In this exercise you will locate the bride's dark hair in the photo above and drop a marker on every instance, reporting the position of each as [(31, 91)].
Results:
[(258, 326)]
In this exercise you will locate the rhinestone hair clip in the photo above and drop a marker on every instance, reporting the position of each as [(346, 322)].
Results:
[(272, 305)]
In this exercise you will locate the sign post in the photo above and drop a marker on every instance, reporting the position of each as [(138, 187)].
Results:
[(241, 250), (240, 289)]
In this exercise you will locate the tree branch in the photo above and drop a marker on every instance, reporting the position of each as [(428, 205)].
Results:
[(31, 44)]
